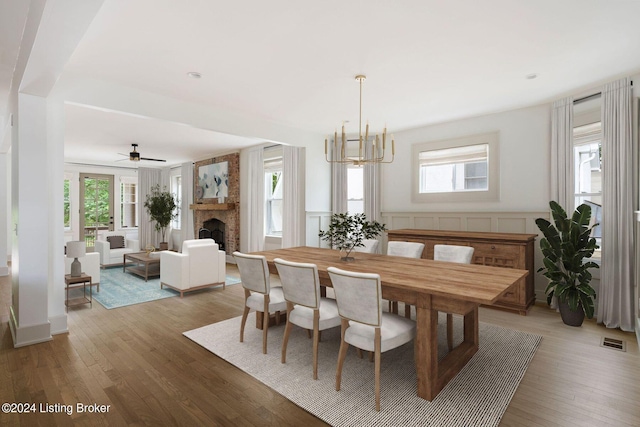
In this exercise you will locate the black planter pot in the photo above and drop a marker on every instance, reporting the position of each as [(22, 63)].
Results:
[(571, 318)]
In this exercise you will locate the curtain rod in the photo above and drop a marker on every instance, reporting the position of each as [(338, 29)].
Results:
[(587, 98), (592, 96)]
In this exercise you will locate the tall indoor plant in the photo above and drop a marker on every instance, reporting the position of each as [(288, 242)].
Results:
[(347, 232), (565, 246), (161, 207)]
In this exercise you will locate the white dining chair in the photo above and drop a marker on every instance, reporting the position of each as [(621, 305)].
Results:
[(452, 253), (305, 307), (363, 324), (258, 293), (407, 250), (370, 246)]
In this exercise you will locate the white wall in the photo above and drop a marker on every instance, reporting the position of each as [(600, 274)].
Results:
[(525, 140)]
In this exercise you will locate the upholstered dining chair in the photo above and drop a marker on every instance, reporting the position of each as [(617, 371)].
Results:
[(452, 253), (258, 293), (364, 325), (370, 246), (408, 250), (305, 307)]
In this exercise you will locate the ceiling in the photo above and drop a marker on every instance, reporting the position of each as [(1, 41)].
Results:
[(292, 64)]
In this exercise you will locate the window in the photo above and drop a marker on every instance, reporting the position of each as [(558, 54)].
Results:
[(461, 169), (67, 204), (355, 189), (128, 202), (587, 157), (454, 169), (273, 195), (176, 190)]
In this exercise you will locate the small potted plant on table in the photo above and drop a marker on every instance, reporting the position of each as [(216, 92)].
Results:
[(565, 246), (347, 232)]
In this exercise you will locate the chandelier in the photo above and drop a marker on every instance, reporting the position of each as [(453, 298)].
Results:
[(340, 152)]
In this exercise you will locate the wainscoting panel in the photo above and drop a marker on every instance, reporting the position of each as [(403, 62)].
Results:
[(478, 224), (317, 221), (512, 225)]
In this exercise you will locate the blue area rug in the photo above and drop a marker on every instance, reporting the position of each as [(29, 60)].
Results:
[(119, 289)]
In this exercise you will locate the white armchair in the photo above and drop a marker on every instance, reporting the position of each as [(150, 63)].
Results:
[(114, 255), (201, 264)]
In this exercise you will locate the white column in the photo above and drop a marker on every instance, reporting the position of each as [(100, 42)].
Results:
[(31, 185), (4, 211), (55, 215)]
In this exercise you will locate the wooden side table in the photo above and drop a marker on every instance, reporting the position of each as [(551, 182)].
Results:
[(75, 282)]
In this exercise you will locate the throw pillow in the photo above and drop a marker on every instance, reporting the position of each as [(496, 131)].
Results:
[(116, 242)]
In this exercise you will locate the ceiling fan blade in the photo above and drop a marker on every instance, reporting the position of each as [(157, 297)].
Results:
[(153, 160)]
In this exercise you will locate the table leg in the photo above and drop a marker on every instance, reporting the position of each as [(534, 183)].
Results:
[(432, 374), (426, 348)]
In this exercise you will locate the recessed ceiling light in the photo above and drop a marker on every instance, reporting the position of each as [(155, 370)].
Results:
[(194, 74), (531, 76)]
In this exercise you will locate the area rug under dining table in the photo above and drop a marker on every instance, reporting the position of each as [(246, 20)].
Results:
[(477, 396)]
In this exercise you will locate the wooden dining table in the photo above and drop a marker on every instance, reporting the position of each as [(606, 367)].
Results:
[(430, 286)]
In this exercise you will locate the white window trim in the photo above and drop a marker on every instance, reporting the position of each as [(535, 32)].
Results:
[(128, 180), (493, 169)]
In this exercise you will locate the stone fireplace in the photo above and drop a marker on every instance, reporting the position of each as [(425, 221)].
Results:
[(219, 218)]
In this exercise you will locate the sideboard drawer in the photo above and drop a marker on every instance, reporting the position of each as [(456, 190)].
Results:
[(497, 255)]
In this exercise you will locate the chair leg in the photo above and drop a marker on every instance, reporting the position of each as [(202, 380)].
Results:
[(359, 352), (287, 331), (309, 334), (450, 331), (342, 354), (377, 368), (316, 339), (265, 324), (277, 318), (407, 311), (247, 293)]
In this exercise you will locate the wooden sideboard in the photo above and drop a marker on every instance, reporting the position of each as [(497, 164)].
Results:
[(508, 250)]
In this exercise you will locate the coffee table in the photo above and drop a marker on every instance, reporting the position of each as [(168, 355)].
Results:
[(141, 264)]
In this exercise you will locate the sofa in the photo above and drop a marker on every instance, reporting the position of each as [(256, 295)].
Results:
[(112, 246), (201, 264), (90, 266)]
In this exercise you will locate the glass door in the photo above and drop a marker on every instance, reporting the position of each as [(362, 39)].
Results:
[(96, 205)]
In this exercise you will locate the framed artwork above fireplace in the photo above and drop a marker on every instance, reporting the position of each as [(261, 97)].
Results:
[(212, 181)]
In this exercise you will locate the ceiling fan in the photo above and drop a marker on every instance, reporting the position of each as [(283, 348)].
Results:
[(134, 156)]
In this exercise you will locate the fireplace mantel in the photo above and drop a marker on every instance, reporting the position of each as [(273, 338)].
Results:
[(213, 206)]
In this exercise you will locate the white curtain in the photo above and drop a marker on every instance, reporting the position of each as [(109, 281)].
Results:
[(616, 299), (255, 200), (562, 177), (338, 184), (186, 214), (371, 185), (293, 216), (147, 234)]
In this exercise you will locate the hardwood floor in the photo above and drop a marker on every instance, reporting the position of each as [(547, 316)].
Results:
[(136, 360)]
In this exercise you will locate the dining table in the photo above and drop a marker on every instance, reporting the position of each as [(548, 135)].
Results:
[(431, 287)]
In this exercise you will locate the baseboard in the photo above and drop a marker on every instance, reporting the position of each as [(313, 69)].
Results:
[(28, 335), (59, 324)]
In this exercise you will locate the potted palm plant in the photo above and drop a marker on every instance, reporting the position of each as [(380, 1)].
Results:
[(161, 207), (347, 232), (565, 246)]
